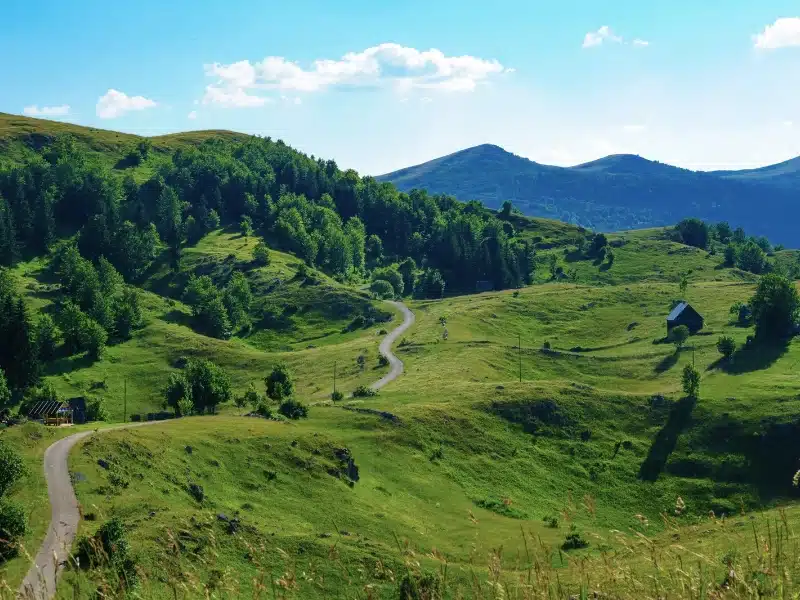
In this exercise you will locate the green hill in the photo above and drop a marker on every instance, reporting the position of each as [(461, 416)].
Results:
[(538, 445), (613, 193)]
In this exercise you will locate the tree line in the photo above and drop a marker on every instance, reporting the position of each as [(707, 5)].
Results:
[(334, 220)]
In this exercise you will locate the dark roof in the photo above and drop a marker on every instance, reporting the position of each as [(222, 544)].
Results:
[(677, 311), (46, 408)]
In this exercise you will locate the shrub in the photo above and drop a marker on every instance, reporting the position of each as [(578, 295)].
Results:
[(293, 409), (210, 385), (261, 254), (679, 335), (726, 346), (423, 586), (382, 289), (574, 541), (546, 345), (13, 527), (551, 521), (382, 361), (279, 383), (393, 276), (109, 547), (337, 396), (693, 232), (47, 336), (12, 467), (196, 491), (364, 391), (263, 409), (96, 410), (358, 322)]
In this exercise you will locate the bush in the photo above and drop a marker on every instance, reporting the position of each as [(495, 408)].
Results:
[(13, 527), (261, 254), (693, 232), (546, 345), (726, 346), (109, 547), (196, 491), (363, 391), (551, 521), (96, 410), (382, 289), (337, 396), (391, 275), (424, 586), (263, 409), (293, 409), (279, 383), (12, 467), (382, 361), (574, 541), (210, 385)]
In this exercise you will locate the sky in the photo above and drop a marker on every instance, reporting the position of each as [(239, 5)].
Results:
[(381, 85)]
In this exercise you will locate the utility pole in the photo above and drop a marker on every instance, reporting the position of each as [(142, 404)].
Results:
[(519, 352), (125, 403)]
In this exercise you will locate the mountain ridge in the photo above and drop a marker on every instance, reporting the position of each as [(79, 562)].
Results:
[(615, 192)]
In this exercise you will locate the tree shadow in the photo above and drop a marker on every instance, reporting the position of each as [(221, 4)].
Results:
[(666, 363), (665, 441), (605, 266), (574, 256), (68, 364), (756, 356), (178, 317)]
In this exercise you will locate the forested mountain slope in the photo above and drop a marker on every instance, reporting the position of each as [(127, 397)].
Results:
[(616, 192)]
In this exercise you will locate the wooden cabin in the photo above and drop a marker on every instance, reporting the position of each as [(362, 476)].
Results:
[(51, 412), (684, 314)]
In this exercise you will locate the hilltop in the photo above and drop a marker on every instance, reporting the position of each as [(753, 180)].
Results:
[(614, 193)]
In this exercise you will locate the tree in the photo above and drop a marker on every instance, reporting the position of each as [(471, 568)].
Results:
[(237, 299), (373, 251), (599, 242), (208, 308), (679, 335), (407, 270), (750, 257), (393, 276), (246, 225), (610, 257), (176, 391), (726, 346), (382, 289), (723, 232), (12, 467), (210, 385), (774, 306), (693, 232), (730, 255), (261, 254), (47, 336), (128, 312), (429, 284), (279, 383), (505, 210), (293, 409), (691, 381), (5, 392), (93, 338), (683, 286)]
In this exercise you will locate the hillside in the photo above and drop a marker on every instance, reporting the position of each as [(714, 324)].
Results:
[(613, 193), (538, 445)]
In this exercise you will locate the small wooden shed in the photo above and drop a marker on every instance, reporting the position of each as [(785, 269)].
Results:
[(51, 412), (684, 314)]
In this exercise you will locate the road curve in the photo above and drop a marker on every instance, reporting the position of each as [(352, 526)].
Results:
[(386, 346), (40, 582)]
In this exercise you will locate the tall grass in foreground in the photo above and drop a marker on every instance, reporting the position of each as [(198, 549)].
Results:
[(752, 557)]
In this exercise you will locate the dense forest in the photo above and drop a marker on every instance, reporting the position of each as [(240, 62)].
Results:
[(335, 220)]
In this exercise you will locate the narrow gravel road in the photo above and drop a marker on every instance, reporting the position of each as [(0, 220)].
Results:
[(386, 346), (40, 582)]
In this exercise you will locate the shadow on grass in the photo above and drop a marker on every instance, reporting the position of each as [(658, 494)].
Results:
[(68, 364), (665, 441), (178, 317), (755, 356), (666, 363)]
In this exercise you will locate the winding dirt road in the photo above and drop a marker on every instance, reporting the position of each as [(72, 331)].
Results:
[(40, 582)]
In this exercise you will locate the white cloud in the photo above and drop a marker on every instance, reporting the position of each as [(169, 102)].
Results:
[(192, 115), (596, 38), (403, 67), (46, 111), (634, 128), (231, 97), (783, 33), (788, 124), (641, 43), (115, 104), (426, 99)]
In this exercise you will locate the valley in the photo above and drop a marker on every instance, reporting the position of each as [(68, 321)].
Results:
[(540, 441)]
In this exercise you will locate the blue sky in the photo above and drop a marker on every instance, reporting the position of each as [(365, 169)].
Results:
[(381, 85)]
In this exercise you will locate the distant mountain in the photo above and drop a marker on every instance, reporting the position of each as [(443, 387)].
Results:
[(621, 191)]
